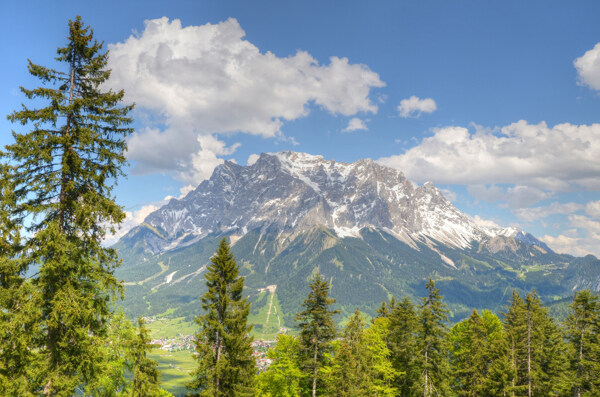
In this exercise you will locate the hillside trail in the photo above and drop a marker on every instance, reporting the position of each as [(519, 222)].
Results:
[(271, 289)]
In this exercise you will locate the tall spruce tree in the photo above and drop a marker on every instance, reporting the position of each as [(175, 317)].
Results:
[(473, 349), (583, 332), (226, 366), (537, 351), (145, 370), (432, 345), (63, 170), (515, 325), (351, 375), (402, 342), (317, 330)]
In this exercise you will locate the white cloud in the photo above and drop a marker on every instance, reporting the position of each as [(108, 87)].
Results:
[(207, 80), (588, 68), (132, 219), (535, 155), (593, 209), (566, 245), (532, 214), (414, 106), (488, 223), (449, 194), (581, 240), (252, 159), (514, 196), (355, 124)]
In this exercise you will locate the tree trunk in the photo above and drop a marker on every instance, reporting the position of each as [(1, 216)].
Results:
[(314, 385), (426, 389), (218, 377), (529, 394), (66, 150)]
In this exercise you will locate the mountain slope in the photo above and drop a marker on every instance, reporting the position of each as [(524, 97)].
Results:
[(365, 227)]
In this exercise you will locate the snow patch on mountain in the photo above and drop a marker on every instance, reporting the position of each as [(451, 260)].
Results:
[(291, 191)]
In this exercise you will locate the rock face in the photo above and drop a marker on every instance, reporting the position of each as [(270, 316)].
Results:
[(296, 191), (367, 229)]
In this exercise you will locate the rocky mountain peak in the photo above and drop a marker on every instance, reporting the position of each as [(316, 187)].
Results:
[(292, 191)]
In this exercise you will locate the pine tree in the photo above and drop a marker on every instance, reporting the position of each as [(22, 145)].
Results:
[(472, 349), (62, 174), (116, 358), (583, 332), (351, 373), (403, 345), (380, 369), (226, 366), (515, 324), (17, 305), (145, 370), (537, 351), (317, 330), (432, 344)]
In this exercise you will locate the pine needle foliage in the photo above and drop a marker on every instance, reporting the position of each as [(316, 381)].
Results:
[(226, 366), (583, 333), (145, 370), (432, 344), (63, 170), (317, 330), (18, 363)]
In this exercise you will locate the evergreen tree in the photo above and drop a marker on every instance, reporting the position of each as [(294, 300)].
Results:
[(17, 305), (583, 332), (282, 378), (62, 174), (402, 342), (351, 375), (145, 370), (380, 369), (432, 345), (515, 325), (226, 366), (116, 359), (537, 351), (473, 349), (317, 330)]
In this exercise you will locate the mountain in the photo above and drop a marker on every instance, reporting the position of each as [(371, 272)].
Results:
[(369, 230)]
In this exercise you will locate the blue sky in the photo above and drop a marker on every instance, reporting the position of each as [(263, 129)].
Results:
[(495, 102)]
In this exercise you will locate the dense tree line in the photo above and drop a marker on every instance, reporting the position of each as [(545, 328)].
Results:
[(408, 350)]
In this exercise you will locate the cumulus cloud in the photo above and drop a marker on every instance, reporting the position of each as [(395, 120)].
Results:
[(582, 239), (549, 158), (487, 223), (588, 68), (252, 159), (514, 196), (207, 80), (535, 213), (593, 209), (355, 124), (132, 219), (566, 245), (415, 106)]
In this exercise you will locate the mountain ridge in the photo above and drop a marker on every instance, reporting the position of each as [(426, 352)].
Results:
[(365, 227), (296, 190)]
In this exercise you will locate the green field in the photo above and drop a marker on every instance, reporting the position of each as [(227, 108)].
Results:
[(267, 325), (174, 368)]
